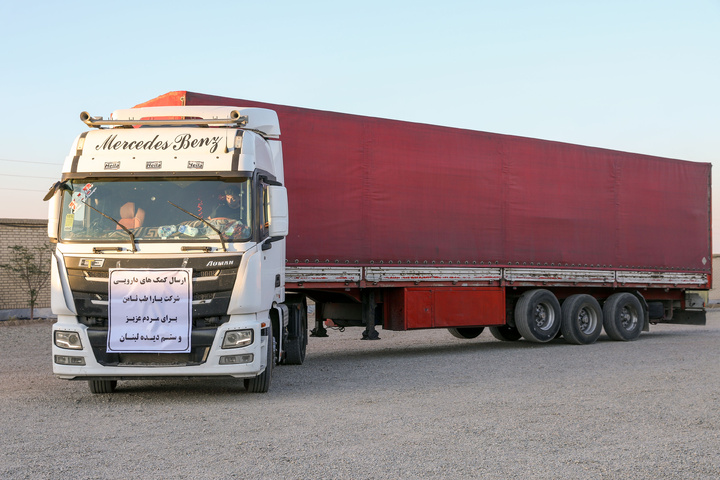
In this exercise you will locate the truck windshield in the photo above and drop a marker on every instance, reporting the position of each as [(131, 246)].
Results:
[(156, 209)]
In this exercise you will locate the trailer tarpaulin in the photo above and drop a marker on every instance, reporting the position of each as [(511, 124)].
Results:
[(366, 190)]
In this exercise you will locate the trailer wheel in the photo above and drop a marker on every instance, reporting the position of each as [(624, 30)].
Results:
[(537, 315), (582, 319), (261, 383), (102, 386), (296, 344), (506, 333), (466, 332), (623, 317)]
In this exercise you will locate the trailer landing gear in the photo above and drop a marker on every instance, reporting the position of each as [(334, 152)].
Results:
[(370, 334), (368, 315), (319, 330)]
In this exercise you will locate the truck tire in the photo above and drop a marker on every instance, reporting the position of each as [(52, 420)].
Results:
[(102, 386), (623, 317), (537, 315), (506, 333), (261, 383), (466, 333), (582, 319), (296, 343)]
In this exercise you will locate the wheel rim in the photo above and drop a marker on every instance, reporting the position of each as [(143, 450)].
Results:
[(587, 320), (628, 318), (544, 316)]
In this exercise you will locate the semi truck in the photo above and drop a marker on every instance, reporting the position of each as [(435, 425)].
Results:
[(192, 232)]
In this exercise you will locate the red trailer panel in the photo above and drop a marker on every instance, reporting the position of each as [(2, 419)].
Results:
[(366, 190), (423, 307)]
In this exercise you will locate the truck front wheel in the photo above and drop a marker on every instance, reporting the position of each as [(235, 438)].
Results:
[(582, 319), (102, 386), (537, 315), (623, 317), (296, 343), (261, 383)]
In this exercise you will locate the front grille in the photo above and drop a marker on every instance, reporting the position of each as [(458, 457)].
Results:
[(213, 282), (96, 274), (207, 273), (156, 359), (200, 342)]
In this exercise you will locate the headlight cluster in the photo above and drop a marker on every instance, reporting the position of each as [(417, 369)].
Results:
[(237, 338), (68, 340)]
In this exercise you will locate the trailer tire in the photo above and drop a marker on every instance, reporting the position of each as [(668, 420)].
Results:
[(296, 343), (466, 333), (261, 383), (506, 333), (102, 386), (623, 317), (537, 315), (582, 319)]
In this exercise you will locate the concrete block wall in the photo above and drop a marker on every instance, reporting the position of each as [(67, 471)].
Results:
[(29, 233)]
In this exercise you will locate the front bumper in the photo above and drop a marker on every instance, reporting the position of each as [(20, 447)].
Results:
[(203, 361)]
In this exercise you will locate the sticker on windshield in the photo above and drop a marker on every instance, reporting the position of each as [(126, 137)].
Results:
[(69, 219), (77, 203), (79, 198), (89, 190)]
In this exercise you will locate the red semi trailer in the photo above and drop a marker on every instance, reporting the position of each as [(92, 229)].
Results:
[(409, 226)]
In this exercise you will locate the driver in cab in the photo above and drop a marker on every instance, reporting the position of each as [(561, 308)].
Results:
[(229, 206)]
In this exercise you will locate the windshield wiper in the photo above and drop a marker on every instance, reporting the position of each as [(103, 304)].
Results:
[(132, 237), (204, 221)]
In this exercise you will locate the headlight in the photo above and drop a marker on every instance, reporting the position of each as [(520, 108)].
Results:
[(237, 338), (68, 340)]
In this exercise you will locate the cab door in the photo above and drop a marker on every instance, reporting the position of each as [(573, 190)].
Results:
[(272, 250)]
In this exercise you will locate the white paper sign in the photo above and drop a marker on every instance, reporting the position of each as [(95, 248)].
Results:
[(150, 310)]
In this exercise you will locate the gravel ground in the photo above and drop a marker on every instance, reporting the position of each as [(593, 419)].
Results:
[(412, 405)]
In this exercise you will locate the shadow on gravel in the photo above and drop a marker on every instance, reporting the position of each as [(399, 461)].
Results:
[(425, 351), (178, 390), (330, 372), (483, 344), (287, 377)]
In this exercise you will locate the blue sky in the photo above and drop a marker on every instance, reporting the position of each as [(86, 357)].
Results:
[(639, 76)]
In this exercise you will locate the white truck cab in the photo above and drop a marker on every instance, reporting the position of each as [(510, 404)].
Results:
[(170, 226)]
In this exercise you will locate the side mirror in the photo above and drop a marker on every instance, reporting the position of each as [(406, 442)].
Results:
[(278, 211), (54, 216), (54, 195)]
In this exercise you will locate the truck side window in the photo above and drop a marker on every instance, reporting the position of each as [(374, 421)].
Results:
[(264, 217)]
